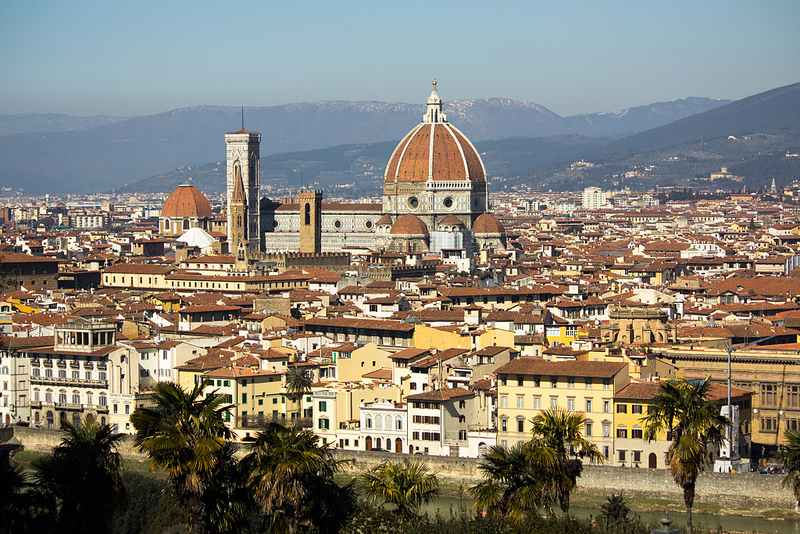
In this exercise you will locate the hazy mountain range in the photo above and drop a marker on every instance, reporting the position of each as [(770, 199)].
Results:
[(59, 153), (756, 137)]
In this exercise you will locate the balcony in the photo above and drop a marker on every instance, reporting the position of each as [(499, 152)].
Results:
[(74, 382)]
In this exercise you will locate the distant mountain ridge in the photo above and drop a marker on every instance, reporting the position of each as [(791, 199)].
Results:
[(114, 153)]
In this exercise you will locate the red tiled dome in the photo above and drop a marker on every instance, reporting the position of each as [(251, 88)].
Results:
[(186, 201), (487, 223), (409, 224), (435, 150), (450, 157)]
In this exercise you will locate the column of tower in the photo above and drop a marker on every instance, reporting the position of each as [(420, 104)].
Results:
[(243, 157)]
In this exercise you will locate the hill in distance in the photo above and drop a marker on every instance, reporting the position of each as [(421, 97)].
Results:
[(112, 154)]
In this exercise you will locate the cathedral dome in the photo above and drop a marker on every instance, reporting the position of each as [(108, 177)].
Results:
[(435, 150), (186, 201), (487, 223), (409, 224)]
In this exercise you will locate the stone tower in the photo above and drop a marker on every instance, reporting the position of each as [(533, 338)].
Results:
[(311, 221), (237, 215), (243, 161)]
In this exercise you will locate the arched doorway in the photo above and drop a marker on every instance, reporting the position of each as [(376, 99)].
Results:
[(652, 460), (8, 419), (398, 445), (368, 444), (49, 419), (378, 444), (410, 449)]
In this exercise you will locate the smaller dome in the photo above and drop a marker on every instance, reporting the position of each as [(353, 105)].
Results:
[(186, 201), (409, 224), (197, 237), (487, 223), (451, 220), (386, 219)]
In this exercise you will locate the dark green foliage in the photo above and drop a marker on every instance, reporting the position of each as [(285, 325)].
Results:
[(614, 517), (369, 519), (144, 503), (80, 482)]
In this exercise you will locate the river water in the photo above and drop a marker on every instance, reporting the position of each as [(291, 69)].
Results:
[(746, 524)]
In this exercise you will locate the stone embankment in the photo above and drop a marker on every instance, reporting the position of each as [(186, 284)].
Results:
[(748, 489), (727, 489)]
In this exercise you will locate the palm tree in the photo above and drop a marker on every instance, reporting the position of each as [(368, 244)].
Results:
[(682, 409), (81, 478), (298, 382), (512, 486), (556, 435), (185, 434), (16, 506), (290, 475), (406, 486), (789, 456)]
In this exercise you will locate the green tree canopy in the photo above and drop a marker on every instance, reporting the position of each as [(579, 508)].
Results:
[(683, 410)]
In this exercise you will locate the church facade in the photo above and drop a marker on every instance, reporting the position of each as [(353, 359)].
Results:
[(434, 198)]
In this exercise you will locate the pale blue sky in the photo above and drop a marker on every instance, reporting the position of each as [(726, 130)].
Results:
[(139, 57)]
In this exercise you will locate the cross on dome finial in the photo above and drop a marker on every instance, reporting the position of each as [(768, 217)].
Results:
[(434, 114)]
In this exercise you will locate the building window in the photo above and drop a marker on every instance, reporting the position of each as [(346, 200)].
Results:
[(553, 382), (606, 406), (606, 430), (606, 450), (504, 425), (606, 383), (793, 396), (636, 433), (636, 408), (520, 402), (537, 403), (587, 429), (76, 398), (553, 402), (637, 456), (520, 380), (504, 401), (588, 383), (769, 395), (571, 383), (588, 405), (769, 424), (571, 404), (621, 456), (622, 432), (622, 408)]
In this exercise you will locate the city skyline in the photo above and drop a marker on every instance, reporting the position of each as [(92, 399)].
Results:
[(96, 58)]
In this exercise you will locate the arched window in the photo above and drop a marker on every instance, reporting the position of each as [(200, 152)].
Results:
[(49, 419), (378, 444), (368, 422), (399, 423), (378, 424), (308, 214), (186, 224), (166, 224), (76, 418)]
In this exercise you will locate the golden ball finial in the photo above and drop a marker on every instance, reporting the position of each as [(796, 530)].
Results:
[(434, 82)]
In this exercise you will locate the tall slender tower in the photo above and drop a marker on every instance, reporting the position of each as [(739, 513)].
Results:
[(311, 221), (237, 214), (243, 161)]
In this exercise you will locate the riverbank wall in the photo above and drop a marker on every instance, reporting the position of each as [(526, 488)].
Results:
[(727, 489)]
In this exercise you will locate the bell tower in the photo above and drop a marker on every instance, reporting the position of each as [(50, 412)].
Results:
[(310, 221), (243, 156)]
